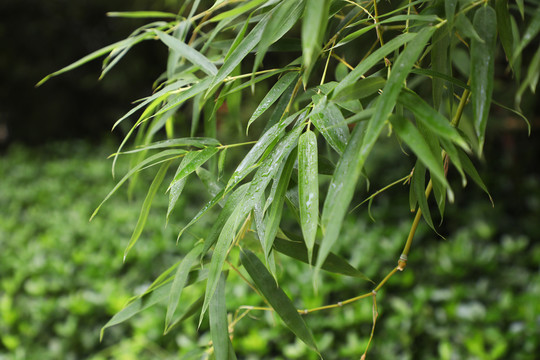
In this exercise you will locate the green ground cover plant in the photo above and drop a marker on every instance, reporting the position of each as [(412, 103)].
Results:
[(334, 77)]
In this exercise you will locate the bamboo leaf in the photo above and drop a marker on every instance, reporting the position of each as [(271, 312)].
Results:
[(199, 142), (482, 68), (308, 188), (145, 209), (282, 18), (245, 47), (372, 60), (180, 281), (412, 137), (150, 161), (271, 136), (504, 27), (141, 303), (359, 146), (329, 120), (209, 180), (361, 89), (450, 10), (274, 216), (530, 33), (142, 14), (192, 55), (418, 183), (219, 327), (314, 24), (275, 92), (188, 312), (431, 118), (297, 249), (463, 24), (199, 159), (470, 170), (175, 190), (239, 10), (277, 298), (256, 189)]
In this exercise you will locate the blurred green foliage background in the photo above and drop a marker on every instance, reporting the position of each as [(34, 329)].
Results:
[(472, 296)]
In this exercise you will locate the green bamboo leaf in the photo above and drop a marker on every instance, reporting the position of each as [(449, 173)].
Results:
[(267, 140), (209, 180), (372, 60), (418, 183), (145, 209), (308, 188), (256, 189), (329, 120), (200, 158), (440, 63), (452, 152), (435, 74), (314, 24), (188, 312), (277, 298), (219, 327), (180, 281), (142, 14), (470, 169), (175, 190), (530, 33), (361, 89), (275, 92), (340, 193), (360, 144), (239, 10), (521, 7), (482, 68), (431, 118), (412, 137), (450, 10), (297, 249), (245, 47), (88, 58), (464, 26), (199, 142), (232, 202), (149, 299), (282, 18), (274, 216), (151, 161), (192, 55), (504, 27)]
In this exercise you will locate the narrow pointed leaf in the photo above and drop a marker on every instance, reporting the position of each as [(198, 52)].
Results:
[(504, 27), (361, 89), (359, 146), (530, 33), (470, 170), (175, 190), (482, 68), (333, 263), (210, 182), (188, 312), (219, 327), (145, 209), (274, 215), (258, 185), (150, 161), (142, 14), (192, 55), (271, 136), (199, 159), (313, 29), (329, 120), (372, 60), (180, 281), (199, 142), (418, 182), (277, 298), (275, 92), (412, 137), (237, 10), (431, 118), (308, 188)]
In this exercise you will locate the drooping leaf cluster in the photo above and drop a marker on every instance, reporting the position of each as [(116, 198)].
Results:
[(314, 124)]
